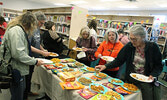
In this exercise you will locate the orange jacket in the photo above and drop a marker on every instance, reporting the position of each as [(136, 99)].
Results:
[(105, 50)]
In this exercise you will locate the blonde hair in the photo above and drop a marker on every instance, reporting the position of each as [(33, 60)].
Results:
[(111, 30), (85, 29), (27, 20)]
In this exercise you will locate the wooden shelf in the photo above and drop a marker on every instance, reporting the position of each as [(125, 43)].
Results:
[(57, 13)]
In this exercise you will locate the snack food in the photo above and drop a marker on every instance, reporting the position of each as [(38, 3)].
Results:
[(90, 69), (68, 69), (115, 81), (114, 94), (53, 54), (85, 81), (66, 76), (101, 75), (56, 60), (97, 88), (130, 87), (60, 65)]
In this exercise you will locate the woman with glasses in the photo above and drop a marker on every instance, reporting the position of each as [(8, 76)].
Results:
[(142, 57), (110, 47)]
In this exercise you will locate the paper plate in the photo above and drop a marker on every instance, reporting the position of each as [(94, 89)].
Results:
[(85, 78), (113, 93), (104, 88), (115, 81), (107, 58), (77, 49), (132, 86), (101, 76), (140, 77), (52, 54), (46, 61)]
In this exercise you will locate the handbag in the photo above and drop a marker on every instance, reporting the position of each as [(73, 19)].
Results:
[(5, 72)]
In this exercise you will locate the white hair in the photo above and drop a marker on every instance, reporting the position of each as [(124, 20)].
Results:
[(111, 30)]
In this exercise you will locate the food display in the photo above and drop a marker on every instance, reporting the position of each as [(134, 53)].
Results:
[(115, 81), (141, 77), (78, 64), (67, 69), (71, 85), (109, 85), (89, 69), (60, 65), (122, 91), (101, 97), (98, 88), (101, 75), (53, 54), (77, 73), (69, 60), (115, 95), (50, 67), (66, 76), (85, 80), (56, 60), (86, 93), (130, 87)]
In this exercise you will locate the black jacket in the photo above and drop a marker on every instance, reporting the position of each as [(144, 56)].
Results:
[(52, 45), (153, 57)]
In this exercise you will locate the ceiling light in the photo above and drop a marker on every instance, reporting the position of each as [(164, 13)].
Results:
[(128, 7), (78, 2), (163, 6), (107, 0), (60, 4)]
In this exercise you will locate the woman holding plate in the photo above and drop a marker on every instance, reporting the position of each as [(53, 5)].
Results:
[(141, 57), (109, 48)]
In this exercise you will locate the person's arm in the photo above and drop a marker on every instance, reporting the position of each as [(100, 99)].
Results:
[(42, 48), (157, 61), (35, 50)]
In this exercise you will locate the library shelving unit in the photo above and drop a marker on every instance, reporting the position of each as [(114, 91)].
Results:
[(68, 20), (116, 21), (9, 14)]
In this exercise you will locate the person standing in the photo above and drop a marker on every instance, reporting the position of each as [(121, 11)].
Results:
[(93, 28), (142, 57), (17, 47), (110, 47), (36, 48), (3, 26)]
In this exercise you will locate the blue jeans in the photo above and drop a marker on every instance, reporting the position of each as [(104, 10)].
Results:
[(17, 91)]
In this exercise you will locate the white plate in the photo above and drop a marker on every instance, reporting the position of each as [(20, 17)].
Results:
[(46, 61), (140, 77), (107, 58), (77, 49), (52, 54)]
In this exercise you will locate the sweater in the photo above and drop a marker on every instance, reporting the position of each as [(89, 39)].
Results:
[(105, 50), (153, 59)]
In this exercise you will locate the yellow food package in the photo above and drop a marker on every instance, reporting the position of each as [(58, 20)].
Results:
[(71, 85), (66, 76)]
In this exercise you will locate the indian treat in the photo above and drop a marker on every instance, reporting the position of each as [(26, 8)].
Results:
[(130, 87), (85, 80), (56, 60)]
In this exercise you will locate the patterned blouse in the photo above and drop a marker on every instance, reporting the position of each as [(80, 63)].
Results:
[(139, 60)]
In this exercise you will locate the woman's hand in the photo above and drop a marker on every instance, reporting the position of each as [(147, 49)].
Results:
[(45, 53), (40, 62), (101, 67), (85, 49), (151, 78), (99, 56)]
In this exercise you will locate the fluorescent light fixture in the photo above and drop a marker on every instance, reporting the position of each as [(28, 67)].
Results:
[(99, 8), (127, 7), (60, 4), (78, 2), (107, 0), (163, 6)]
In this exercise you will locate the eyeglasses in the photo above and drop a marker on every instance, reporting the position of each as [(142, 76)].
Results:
[(133, 39)]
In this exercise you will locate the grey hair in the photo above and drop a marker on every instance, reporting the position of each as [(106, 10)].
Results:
[(40, 15), (85, 29), (111, 30), (139, 30)]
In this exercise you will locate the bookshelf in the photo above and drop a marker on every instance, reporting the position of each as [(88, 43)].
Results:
[(116, 21), (68, 21), (9, 14)]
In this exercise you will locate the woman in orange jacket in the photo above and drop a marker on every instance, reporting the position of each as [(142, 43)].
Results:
[(110, 47)]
